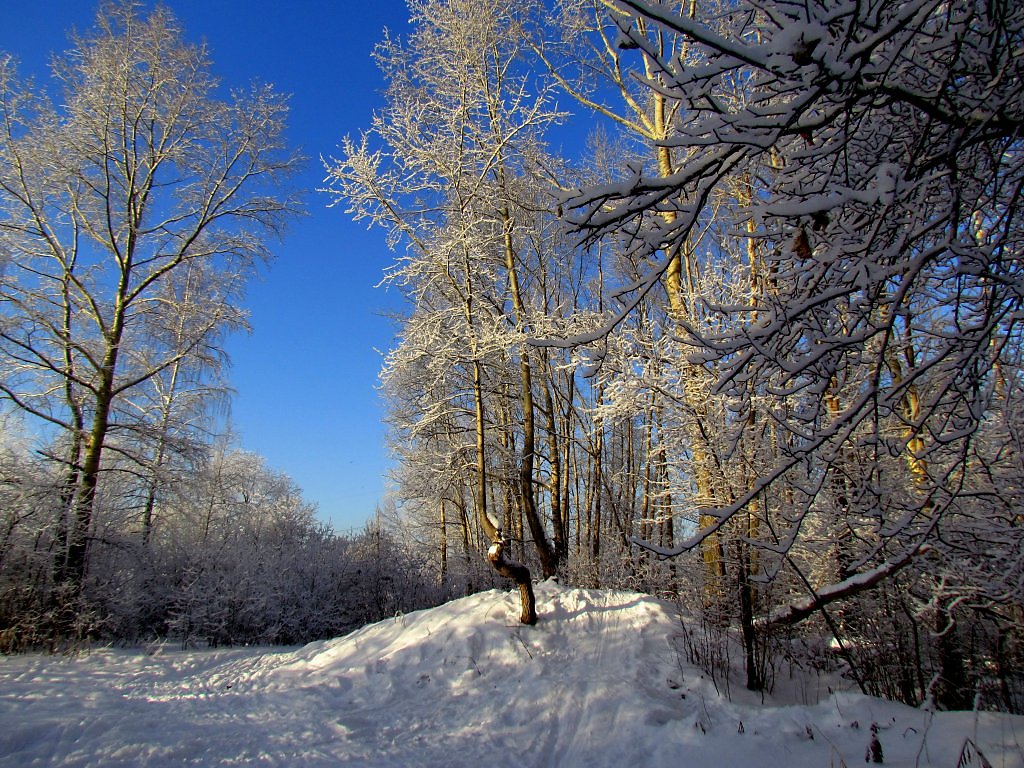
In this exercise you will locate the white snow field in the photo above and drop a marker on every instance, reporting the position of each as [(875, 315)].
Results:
[(596, 683)]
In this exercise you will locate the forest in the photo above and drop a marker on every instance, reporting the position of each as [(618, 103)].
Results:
[(719, 301)]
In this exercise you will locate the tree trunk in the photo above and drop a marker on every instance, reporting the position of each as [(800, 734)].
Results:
[(527, 495), (467, 536), (443, 545), (103, 402), (594, 514), (69, 490), (81, 522), (746, 604), (952, 689), (560, 538), (520, 574)]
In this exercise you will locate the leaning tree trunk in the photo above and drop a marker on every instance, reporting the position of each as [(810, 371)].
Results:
[(519, 573)]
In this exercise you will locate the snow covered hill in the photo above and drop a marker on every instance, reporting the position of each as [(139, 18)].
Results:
[(597, 682)]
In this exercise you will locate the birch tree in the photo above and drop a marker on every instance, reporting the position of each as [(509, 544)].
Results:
[(140, 171)]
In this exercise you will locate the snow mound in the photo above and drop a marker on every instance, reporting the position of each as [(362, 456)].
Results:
[(597, 682)]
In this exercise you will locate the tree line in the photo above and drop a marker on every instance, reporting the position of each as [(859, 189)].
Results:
[(716, 300), (233, 556), (754, 341)]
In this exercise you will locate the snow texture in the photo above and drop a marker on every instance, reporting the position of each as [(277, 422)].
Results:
[(597, 682)]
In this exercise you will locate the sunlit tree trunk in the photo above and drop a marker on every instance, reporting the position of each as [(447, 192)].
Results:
[(442, 535), (560, 539)]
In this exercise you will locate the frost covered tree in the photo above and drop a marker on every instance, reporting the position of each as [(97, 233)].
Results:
[(447, 170), (689, 468), (239, 558), (140, 177), (880, 148)]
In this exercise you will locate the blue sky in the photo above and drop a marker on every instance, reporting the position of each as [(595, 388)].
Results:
[(306, 377)]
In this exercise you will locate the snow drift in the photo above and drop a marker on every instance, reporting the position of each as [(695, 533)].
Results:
[(598, 682)]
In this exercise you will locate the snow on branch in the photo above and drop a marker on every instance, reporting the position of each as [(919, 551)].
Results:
[(796, 612)]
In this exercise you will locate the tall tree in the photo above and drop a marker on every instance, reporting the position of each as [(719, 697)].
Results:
[(446, 170), (140, 171)]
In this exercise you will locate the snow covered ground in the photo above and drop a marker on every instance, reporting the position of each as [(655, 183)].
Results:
[(596, 683)]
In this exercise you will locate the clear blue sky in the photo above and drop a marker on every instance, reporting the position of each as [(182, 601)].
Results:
[(306, 377)]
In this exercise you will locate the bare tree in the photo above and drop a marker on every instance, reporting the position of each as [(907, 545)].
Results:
[(139, 173)]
